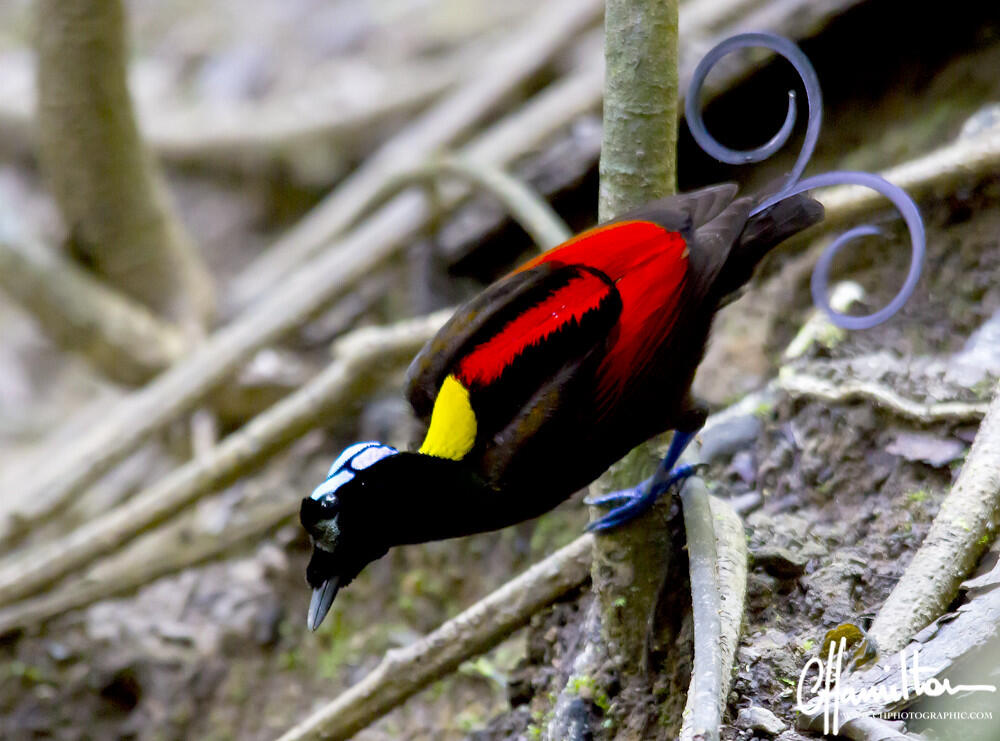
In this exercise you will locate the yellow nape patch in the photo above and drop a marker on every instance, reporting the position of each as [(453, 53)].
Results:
[(452, 432)]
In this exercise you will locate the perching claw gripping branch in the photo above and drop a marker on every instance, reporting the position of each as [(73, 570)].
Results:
[(905, 205)]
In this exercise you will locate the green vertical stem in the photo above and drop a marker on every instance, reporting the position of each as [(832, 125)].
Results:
[(638, 164), (639, 149)]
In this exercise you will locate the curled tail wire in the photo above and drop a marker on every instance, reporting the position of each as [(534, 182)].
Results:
[(794, 186)]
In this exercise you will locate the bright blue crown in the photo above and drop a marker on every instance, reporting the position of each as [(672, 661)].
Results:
[(355, 458)]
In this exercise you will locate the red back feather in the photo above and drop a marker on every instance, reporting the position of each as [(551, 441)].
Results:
[(648, 265), (488, 360)]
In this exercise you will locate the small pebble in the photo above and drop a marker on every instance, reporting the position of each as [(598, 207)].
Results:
[(760, 720)]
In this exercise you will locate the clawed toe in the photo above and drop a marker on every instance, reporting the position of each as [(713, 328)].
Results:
[(638, 500), (632, 503), (613, 499), (620, 515)]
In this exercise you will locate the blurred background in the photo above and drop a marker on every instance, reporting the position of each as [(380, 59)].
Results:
[(250, 202)]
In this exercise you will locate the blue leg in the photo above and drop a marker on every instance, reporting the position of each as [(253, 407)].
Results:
[(637, 500)]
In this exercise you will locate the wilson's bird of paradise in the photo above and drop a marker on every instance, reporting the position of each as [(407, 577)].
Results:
[(538, 384)]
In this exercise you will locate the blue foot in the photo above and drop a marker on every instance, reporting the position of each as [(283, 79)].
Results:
[(616, 498), (630, 503), (637, 501)]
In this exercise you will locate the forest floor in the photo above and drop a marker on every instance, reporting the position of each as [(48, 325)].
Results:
[(842, 493)]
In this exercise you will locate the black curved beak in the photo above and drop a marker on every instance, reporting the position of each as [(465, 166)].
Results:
[(322, 599)]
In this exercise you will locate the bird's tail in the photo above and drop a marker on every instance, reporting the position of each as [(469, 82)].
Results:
[(762, 233)]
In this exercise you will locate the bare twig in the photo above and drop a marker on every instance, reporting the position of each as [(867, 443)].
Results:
[(360, 358), (176, 547), (534, 214), (798, 383), (403, 672), (253, 135), (113, 201), (120, 337), (525, 51), (282, 129), (964, 527), (62, 471)]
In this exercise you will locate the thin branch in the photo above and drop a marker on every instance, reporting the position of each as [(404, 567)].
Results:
[(843, 390), (525, 206), (173, 548), (254, 135), (360, 358), (514, 61), (962, 530), (112, 198), (61, 471), (287, 128), (121, 338), (405, 671)]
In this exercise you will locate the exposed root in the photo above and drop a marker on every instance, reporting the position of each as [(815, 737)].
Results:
[(718, 556), (798, 383)]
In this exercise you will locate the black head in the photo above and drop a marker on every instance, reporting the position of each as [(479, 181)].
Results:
[(336, 516)]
